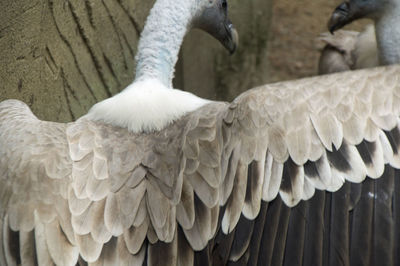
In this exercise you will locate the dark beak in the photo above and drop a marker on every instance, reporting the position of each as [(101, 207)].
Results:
[(215, 21), (231, 41), (341, 17)]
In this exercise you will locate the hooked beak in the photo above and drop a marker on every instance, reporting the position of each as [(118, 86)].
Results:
[(342, 16), (231, 41), (215, 21)]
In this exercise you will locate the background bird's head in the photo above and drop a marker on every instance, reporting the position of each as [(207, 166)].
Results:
[(351, 10), (213, 18)]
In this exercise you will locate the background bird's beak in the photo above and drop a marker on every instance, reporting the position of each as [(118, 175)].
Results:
[(342, 16), (231, 41), (214, 20)]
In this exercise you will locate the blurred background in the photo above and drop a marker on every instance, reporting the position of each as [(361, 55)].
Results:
[(62, 56)]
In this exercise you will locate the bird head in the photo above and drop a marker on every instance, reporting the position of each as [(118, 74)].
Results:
[(213, 18), (351, 10)]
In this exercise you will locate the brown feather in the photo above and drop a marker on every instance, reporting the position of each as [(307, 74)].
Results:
[(135, 237), (185, 213), (60, 249), (162, 253), (236, 202), (89, 249)]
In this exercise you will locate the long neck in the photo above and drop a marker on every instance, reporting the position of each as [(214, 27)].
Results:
[(388, 36), (167, 24)]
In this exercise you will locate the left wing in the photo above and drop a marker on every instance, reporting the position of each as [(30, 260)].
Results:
[(35, 173)]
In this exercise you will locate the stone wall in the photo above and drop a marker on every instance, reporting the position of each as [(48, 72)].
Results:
[(62, 56)]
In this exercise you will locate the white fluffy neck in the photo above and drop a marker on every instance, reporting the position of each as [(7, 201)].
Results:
[(150, 103), (145, 106), (161, 39), (388, 35)]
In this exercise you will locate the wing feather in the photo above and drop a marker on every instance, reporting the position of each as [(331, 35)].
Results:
[(162, 253), (291, 189), (383, 224), (109, 254), (186, 253), (82, 224), (60, 249), (185, 212), (134, 237), (296, 236), (315, 228), (27, 246), (77, 206), (127, 258), (89, 249), (363, 226), (99, 231), (3, 243), (42, 250), (9, 243), (200, 173), (236, 201), (274, 181), (254, 189), (198, 234), (372, 155), (281, 236), (242, 238)]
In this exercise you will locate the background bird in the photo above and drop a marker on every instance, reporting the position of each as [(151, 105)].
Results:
[(127, 184), (376, 45), (386, 21), (348, 50)]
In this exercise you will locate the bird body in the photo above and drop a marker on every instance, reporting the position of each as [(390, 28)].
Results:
[(348, 50), (111, 184)]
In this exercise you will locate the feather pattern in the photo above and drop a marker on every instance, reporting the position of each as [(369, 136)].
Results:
[(201, 173)]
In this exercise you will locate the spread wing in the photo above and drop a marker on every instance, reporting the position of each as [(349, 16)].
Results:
[(35, 170), (200, 187)]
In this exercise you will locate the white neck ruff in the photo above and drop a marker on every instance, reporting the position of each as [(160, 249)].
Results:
[(150, 103), (145, 106)]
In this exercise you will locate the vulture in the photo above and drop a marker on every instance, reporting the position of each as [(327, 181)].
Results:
[(384, 13), (377, 45), (158, 176), (348, 50)]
